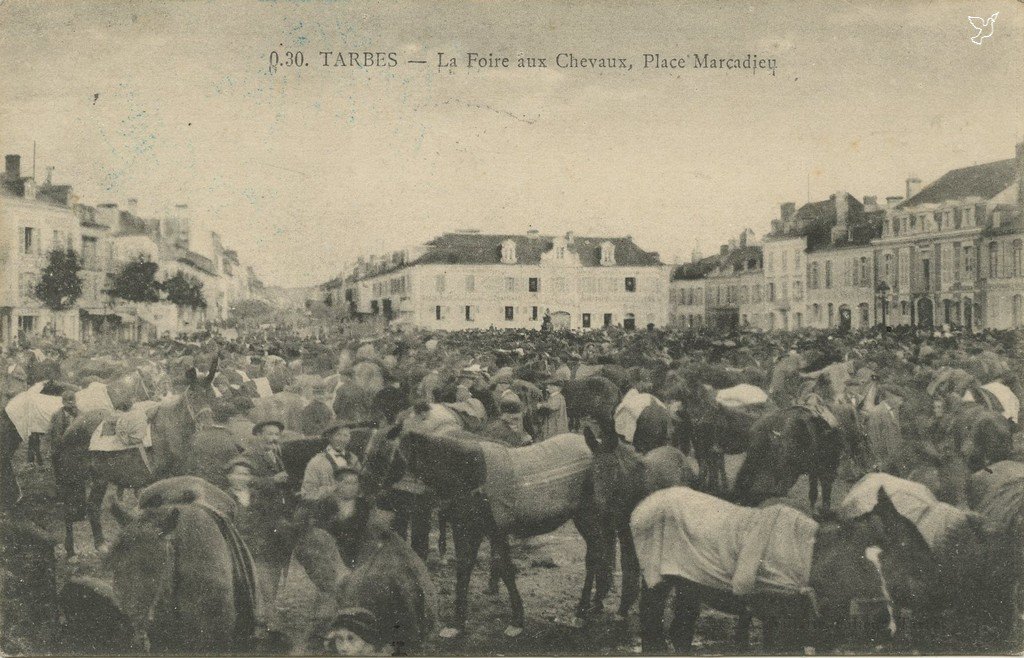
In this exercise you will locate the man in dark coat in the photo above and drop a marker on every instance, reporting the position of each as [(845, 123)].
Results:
[(70, 469)]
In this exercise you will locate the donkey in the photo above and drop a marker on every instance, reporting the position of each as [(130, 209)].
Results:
[(807, 572), (488, 500), (623, 477), (174, 426)]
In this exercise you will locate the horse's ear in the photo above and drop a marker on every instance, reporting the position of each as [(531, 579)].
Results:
[(191, 375), (592, 442), (884, 506), (213, 368)]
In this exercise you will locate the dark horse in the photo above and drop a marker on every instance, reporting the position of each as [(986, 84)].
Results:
[(455, 467), (788, 443), (623, 477), (879, 555), (594, 396), (174, 425)]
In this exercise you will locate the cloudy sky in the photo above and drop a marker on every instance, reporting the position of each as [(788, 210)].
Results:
[(303, 169)]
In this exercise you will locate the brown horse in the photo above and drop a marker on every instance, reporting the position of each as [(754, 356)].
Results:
[(174, 425), (880, 555), (981, 435), (184, 579), (594, 396), (623, 477), (788, 443)]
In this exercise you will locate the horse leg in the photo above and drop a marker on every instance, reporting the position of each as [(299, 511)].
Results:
[(630, 571), (742, 635), (442, 533), (94, 507), (507, 571), (606, 559), (467, 534), (652, 617), (812, 490), (419, 518), (684, 616), (69, 538)]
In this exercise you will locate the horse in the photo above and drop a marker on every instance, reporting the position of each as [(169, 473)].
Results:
[(788, 443), (593, 396), (367, 568), (780, 564), (622, 477), (174, 424), (479, 478), (184, 579), (981, 435)]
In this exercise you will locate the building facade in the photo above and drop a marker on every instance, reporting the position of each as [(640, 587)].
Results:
[(469, 280)]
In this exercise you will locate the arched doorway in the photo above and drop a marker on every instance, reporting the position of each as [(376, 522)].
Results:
[(845, 318), (629, 322), (925, 313), (560, 320)]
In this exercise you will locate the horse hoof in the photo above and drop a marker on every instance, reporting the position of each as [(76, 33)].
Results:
[(578, 622), (448, 632), (513, 631)]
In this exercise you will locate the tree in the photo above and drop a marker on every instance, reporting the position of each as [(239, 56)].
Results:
[(184, 290), (59, 285), (136, 281)]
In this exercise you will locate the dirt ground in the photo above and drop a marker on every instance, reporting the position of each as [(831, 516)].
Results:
[(550, 577)]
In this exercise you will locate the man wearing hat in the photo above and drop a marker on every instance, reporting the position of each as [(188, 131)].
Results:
[(318, 480), (268, 462), (555, 419)]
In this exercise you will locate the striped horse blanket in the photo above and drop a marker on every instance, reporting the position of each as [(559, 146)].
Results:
[(527, 487), (708, 541)]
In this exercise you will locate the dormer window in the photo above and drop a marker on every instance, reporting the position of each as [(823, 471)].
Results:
[(508, 251), (607, 253)]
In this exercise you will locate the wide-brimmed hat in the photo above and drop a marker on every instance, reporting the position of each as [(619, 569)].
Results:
[(264, 423), (345, 424)]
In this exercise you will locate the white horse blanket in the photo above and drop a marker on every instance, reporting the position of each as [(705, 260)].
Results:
[(122, 431), (706, 540), (933, 518), (998, 493), (1006, 397), (537, 483), (93, 397), (741, 395), (30, 411), (629, 410)]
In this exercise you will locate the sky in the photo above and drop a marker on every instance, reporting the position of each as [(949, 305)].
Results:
[(304, 169)]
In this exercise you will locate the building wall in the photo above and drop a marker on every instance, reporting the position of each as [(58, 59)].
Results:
[(437, 295), (687, 309), (1003, 272), (50, 227), (840, 280), (785, 281)]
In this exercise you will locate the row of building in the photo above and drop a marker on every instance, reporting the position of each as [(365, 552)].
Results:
[(38, 217), (949, 253)]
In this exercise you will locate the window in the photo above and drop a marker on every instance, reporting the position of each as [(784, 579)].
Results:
[(771, 292), (439, 283), (799, 320), (629, 322), (374, 307), (814, 276), (437, 312), (510, 284), (828, 276), (887, 269), (470, 283), (470, 316), (757, 293), (969, 262), (534, 284), (510, 313), (630, 284), (993, 260), (608, 319), (1017, 264), (798, 290), (586, 320), (508, 251), (865, 272), (28, 241), (926, 273), (831, 315), (785, 261), (607, 253), (796, 259), (816, 312)]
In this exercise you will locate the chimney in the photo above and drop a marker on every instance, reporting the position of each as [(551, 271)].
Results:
[(776, 226), (743, 239), (569, 237), (132, 205), (840, 230), (13, 167), (870, 201), (533, 233), (732, 244), (913, 186), (695, 255), (723, 250), (49, 176), (786, 211), (107, 215), (891, 201)]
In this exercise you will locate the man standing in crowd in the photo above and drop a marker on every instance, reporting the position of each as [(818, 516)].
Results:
[(553, 410), (318, 480)]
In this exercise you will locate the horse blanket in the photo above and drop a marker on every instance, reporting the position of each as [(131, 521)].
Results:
[(263, 387), (1008, 403), (30, 411), (934, 519), (629, 410), (536, 483), (243, 576), (741, 395), (998, 493), (708, 541), (122, 431), (94, 396)]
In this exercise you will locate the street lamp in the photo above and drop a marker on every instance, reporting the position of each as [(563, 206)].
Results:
[(883, 292)]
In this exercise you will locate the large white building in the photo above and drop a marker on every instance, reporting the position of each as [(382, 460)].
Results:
[(469, 280)]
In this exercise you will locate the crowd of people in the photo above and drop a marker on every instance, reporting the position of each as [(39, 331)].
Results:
[(335, 391)]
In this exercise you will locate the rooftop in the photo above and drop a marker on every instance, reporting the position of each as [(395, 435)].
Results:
[(983, 181)]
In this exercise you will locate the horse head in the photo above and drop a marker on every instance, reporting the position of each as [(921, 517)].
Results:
[(142, 562), (600, 434), (894, 554), (199, 394), (384, 462)]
